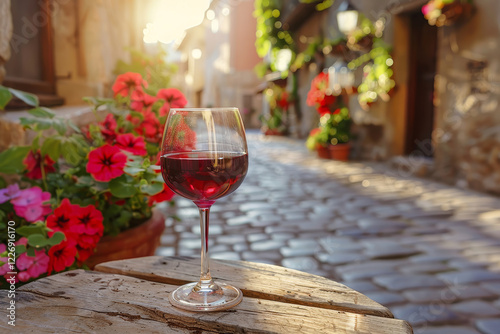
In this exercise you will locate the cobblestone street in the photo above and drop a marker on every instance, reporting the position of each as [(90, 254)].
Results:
[(428, 251)]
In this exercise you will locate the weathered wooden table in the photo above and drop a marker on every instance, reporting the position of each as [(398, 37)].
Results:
[(130, 296)]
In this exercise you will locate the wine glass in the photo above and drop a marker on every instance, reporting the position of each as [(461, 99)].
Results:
[(204, 157)]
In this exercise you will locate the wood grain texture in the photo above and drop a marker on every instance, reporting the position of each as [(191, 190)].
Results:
[(93, 302), (255, 280)]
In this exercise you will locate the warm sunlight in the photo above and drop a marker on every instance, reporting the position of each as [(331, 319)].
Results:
[(168, 19)]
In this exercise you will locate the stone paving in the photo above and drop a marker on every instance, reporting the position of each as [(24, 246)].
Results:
[(428, 251)]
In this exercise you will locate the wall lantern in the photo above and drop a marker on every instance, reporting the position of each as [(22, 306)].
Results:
[(347, 17), (283, 59)]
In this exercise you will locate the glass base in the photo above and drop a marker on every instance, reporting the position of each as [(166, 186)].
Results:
[(217, 297)]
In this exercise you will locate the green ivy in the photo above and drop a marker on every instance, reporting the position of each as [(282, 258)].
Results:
[(377, 73)]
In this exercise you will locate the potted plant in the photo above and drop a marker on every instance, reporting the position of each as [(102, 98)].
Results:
[(74, 191), (331, 138), (279, 100)]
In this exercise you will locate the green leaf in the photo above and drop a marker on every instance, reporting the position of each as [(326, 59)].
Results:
[(28, 230), (56, 238), (37, 124), (152, 189), (31, 252), (74, 127), (69, 151), (37, 240), (3, 183), (52, 147), (60, 126), (11, 160), (29, 99), (133, 170), (42, 112), (5, 97), (85, 181), (121, 188), (20, 249)]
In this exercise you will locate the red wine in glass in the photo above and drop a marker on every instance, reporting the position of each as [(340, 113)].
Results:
[(204, 176), (204, 156)]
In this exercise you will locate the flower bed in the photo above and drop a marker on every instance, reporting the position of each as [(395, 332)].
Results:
[(77, 185)]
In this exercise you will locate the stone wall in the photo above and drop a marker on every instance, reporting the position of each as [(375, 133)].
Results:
[(467, 129)]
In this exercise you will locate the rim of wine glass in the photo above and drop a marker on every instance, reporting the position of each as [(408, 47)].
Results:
[(202, 109)]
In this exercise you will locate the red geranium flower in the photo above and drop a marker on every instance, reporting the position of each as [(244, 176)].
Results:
[(165, 195), (88, 220), (108, 128), (323, 109), (173, 97), (61, 256), (317, 95), (142, 101), (283, 100), (127, 82), (150, 127), (84, 253), (33, 162), (314, 131), (106, 162), (130, 143), (88, 240), (62, 219), (181, 137)]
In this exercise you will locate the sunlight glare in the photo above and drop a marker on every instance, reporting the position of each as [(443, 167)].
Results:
[(169, 19)]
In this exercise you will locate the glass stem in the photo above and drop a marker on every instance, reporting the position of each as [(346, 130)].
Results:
[(205, 279)]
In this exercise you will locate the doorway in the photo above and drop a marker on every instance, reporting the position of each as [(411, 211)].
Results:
[(420, 101)]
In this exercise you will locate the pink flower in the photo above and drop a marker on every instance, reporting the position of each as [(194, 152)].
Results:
[(24, 261), (426, 9), (130, 143), (22, 241), (34, 266), (23, 276), (106, 163), (29, 204), (9, 193)]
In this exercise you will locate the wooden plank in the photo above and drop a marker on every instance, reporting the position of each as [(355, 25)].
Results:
[(90, 302), (255, 280)]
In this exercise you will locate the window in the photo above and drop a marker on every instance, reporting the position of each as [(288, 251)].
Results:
[(31, 66)]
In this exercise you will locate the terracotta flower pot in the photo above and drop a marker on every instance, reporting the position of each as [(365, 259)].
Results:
[(323, 152), (139, 241), (340, 151)]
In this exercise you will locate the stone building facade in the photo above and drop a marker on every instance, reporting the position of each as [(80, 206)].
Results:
[(463, 142)]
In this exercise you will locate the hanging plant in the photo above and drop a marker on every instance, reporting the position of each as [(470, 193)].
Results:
[(271, 37), (378, 79), (447, 12), (320, 47)]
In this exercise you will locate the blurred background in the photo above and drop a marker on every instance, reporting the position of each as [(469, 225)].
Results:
[(420, 77)]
